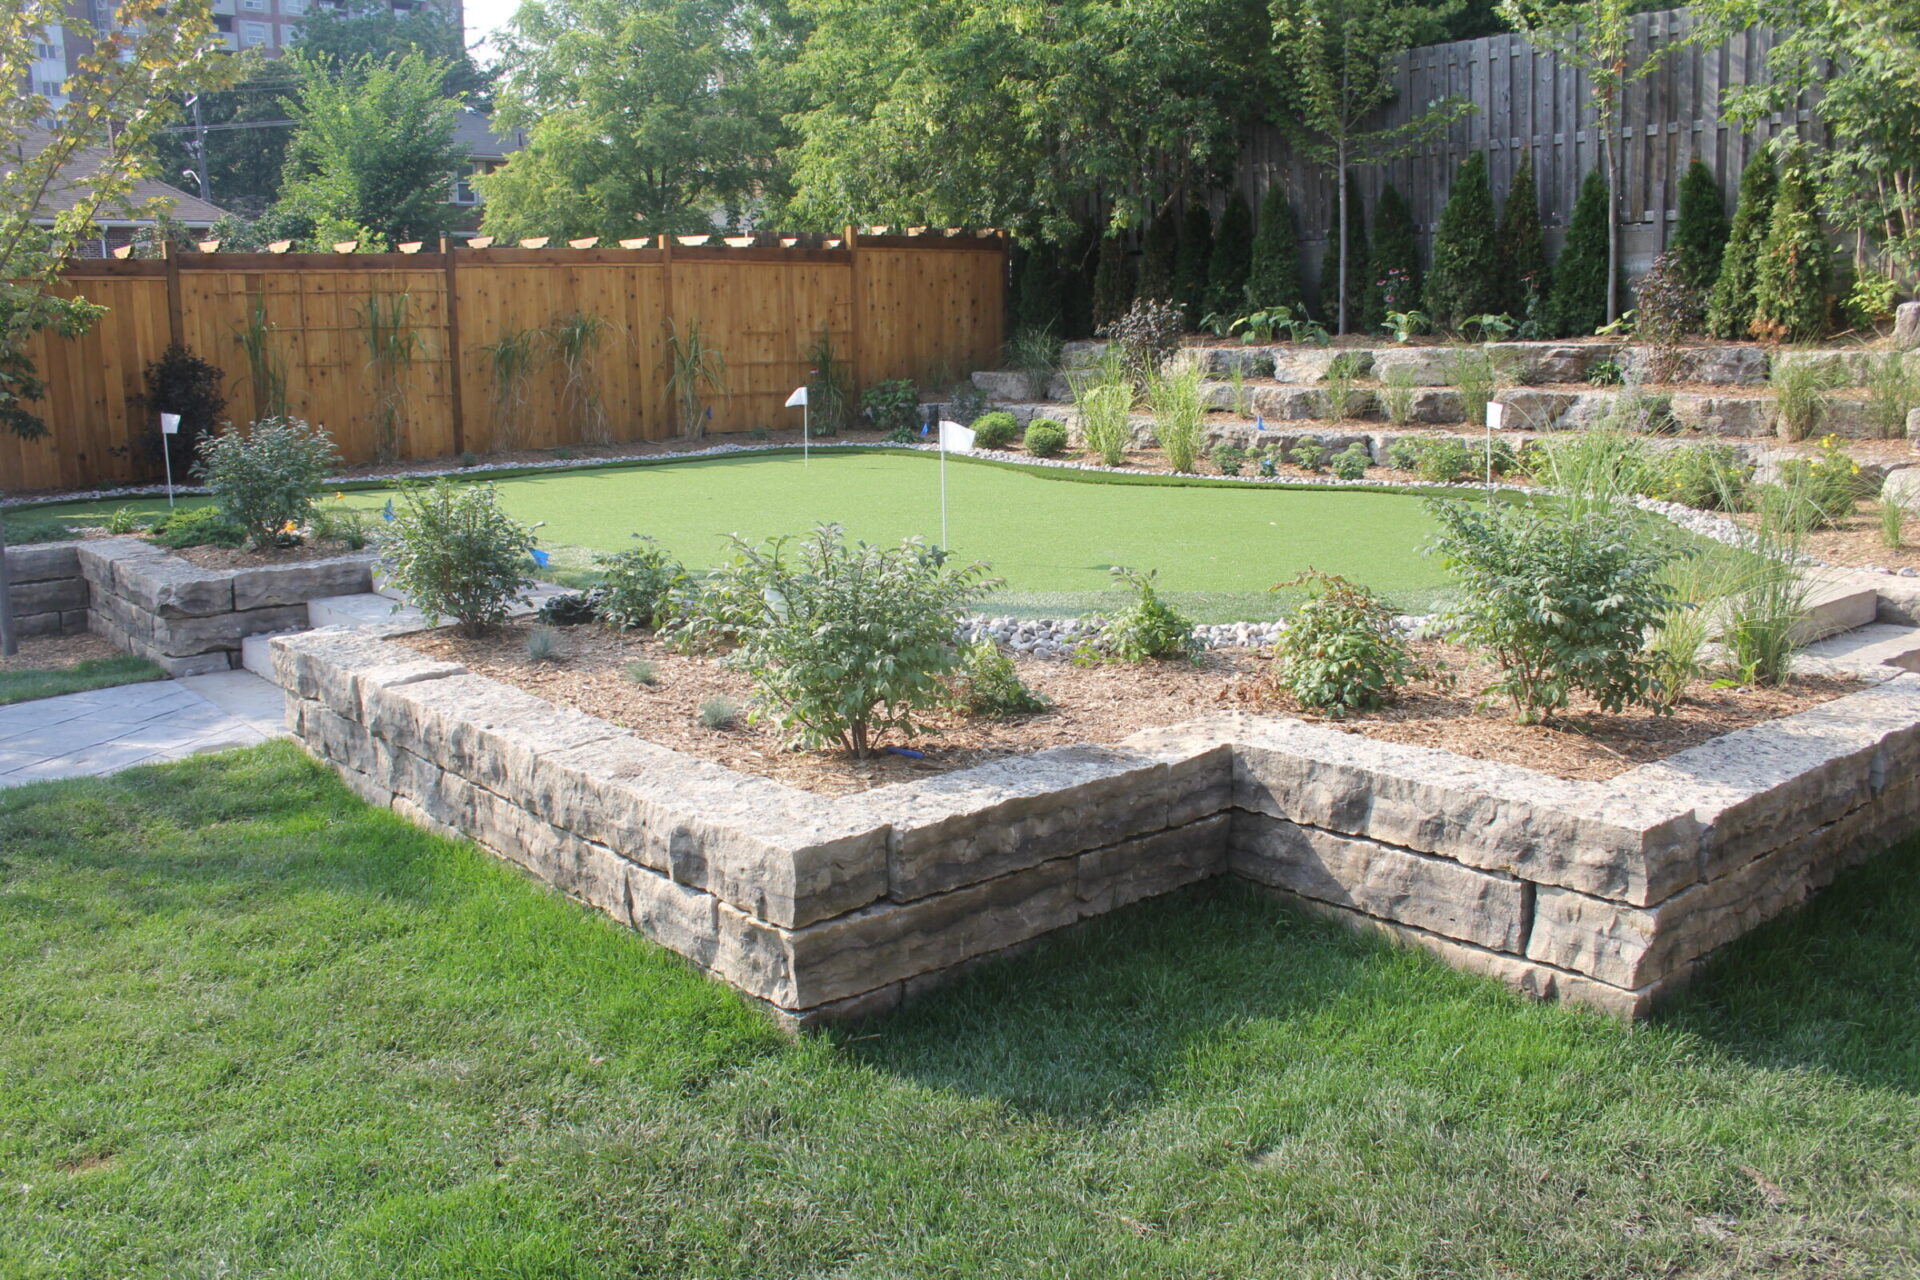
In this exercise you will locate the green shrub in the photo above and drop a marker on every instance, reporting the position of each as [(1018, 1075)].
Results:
[(1800, 397), (197, 527), (1144, 338), (1466, 276), (1230, 458), (570, 609), (1232, 257), (1147, 629), (1666, 309), (995, 430), (638, 585), (1605, 373), (1355, 282), (1558, 602), (987, 683), (1871, 300), (266, 477), (339, 524), (1444, 460), (845, 642), (1308, 454), (1341, 651), (124, 521), (456, 554), (1191, 263), (1179, 417), (1159, 251), (1351, 463), (1730, 310), (1709, 477), (181, 382), (1821, 490), (893, 408), (1471, 372), (1790, 279), (1045, 438), (1393, 263), (1404, 453), (1112, 282), (1523, 246), (1273, 275), (1700, 235), (719, 712), (1577, 305)]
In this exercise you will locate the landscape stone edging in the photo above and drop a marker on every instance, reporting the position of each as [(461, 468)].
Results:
[(1609, 893), (191, 620), (48, 592)]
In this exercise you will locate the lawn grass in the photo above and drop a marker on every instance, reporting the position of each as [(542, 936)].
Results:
[(256, 1028), (1051, 534), (25, 685)]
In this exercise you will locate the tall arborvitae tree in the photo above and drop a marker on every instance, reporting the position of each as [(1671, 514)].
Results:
[(1578, 304), (1232, 254), (1466, 277), (1523, 249), (1036, 303), (1191, 262), (1273, 278), (1700, 238), (1730, 311), (1159, 247), (1790, 298), (1112, 281), (1393, 268), (1344, 301)]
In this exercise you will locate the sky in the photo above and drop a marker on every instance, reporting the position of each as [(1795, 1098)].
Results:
[(483, 18)]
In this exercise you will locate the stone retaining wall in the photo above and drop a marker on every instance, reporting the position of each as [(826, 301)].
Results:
[(822, 907), (48, 592), (191, 620)]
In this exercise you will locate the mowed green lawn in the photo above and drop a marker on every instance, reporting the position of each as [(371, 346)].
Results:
[(255, 1028), (1218, 549)]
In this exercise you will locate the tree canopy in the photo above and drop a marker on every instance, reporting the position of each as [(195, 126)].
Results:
[(643, 118)]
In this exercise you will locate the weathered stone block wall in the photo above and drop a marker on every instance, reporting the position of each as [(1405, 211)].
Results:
[(48, 592), (1609, 893), (191, 620)]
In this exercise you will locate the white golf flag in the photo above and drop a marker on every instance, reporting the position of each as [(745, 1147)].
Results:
[(955, 436), (798, 399), (169, 424), (1495, 412)]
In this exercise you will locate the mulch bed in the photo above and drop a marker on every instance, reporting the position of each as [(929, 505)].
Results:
[(240, 558), (57, 653), (1102, 703)]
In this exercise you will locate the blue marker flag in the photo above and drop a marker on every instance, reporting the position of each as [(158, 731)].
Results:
[(1259, 422), (388, 513), (541, 558)]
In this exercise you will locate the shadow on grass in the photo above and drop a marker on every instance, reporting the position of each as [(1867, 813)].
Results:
[(1098, 1021)]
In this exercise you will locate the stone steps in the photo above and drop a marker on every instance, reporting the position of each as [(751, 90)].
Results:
[(1876, 645), (1836, 605)]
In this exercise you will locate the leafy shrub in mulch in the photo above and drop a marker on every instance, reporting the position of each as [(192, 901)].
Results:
[(987, 683), (995, 430), (457, 555), (1147, 629), (1341, 651), (638, 586), (1045, 438), (265, 479)]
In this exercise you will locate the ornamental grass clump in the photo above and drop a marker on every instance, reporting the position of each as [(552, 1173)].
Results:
[(1179, 416), (1105, 404), (265, 479), (1560, 602), (845, 642), (456, 554), (1342, 651)]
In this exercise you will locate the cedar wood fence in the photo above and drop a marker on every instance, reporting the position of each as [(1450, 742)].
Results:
[(1528, 99), (925, 305)]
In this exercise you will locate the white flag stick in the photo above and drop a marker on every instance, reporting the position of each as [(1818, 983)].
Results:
[(799, 398), (169, 426), (1496, 414), (952, 436)]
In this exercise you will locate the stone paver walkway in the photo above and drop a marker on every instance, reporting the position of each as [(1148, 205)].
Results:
[(104, 730)]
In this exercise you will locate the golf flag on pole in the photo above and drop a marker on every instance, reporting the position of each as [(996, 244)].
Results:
[(170, 424), (955, 436), (798, 398)]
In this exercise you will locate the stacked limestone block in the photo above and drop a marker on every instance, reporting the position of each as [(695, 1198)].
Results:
[(191, 620), (1609, 893), (48, 592)]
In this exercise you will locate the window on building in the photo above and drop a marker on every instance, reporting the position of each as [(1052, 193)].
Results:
[(293, 8), (47, 52), (223, 22), (463, 191), (254, 6), (47, 88), (255, 33)]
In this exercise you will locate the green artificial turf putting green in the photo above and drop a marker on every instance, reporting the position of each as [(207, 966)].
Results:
[(257, 1028), (1051, 536)]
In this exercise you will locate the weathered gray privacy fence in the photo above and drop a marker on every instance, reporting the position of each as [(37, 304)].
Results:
[(1528, 98)]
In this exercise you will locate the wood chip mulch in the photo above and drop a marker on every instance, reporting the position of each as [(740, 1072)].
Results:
[(1101, 703), (57, 653), (240, 558)]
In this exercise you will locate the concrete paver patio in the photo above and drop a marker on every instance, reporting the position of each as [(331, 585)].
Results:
[(104, 730)]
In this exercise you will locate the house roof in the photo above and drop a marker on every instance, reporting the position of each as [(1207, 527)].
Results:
[(67, 190), (474, 131)]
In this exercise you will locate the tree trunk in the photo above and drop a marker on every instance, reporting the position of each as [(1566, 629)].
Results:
[(1340, 284), (1613, 219)]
